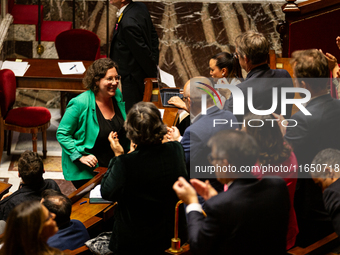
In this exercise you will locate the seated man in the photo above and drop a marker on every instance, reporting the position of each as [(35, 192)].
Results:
[(251, 217), (31, 171), (327, 164), (196, 136), (72, 234)]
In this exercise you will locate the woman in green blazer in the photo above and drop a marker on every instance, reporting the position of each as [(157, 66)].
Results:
[(89, 119)]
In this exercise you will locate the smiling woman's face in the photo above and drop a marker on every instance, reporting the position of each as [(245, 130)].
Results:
[(107, 86)]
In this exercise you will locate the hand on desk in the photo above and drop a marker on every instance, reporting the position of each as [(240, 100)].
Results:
[(176, 101), (89, 160), (115, 145)]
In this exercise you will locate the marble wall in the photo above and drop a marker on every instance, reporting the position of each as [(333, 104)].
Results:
[(189, 32)]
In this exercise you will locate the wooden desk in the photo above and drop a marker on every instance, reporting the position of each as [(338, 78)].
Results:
[(84, 212), (44, 74), (4, 188)]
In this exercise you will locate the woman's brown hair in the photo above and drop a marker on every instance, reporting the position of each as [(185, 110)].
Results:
[(23, 230), (97, 71), (273, 149), (144, 124)]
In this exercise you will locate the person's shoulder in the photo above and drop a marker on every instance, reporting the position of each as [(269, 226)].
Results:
[(274, 182), (281, 73), (133, 12), (82, 100), (51, 184), (174, 145), (77, 224), (334, 187)]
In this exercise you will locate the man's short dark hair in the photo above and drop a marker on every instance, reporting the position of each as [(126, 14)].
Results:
[(30, 167), (239, 148), (254, 46), (310, 65), (329, 157), (59, 204)]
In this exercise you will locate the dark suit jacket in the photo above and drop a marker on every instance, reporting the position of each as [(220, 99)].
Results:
[(196, 137), (263, 79), (71, 237), (331, 198), (141, 182), (26, 192), (311, 135), (315, 132), (251, 217), (135, 48)]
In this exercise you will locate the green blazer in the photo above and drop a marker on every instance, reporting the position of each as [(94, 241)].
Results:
[(78, 131)]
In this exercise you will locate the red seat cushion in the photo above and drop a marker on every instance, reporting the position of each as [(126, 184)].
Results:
[(28, 116)]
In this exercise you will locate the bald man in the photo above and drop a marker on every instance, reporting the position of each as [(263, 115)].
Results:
[(203, 127)]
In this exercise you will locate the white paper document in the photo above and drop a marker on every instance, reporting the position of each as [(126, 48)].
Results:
[(71, 67), (18, 68), (96, 196), (162, 112), (167, 78)]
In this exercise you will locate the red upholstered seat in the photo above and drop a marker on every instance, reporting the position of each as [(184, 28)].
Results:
[(51, 29), (23, 119), (26, 14), (28, 116), (78, 44)]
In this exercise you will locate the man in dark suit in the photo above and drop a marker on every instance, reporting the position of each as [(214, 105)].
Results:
[(252, 50), (203, 127), (251, 217), (329, 182), (72, 234), (135, 49), (312, 133)]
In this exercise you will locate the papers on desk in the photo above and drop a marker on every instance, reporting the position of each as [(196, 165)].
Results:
[(18, 68), (71, 67), (167, 78), (96, 196), (162, 112)]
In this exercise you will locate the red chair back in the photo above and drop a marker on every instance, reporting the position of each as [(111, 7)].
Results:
[(7, 90), (78, 44)]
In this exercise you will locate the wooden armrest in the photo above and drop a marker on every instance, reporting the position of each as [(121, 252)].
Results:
[(148, 83), (320, 247), (87, 187), (108, 212), (84, 250), (92, 221)]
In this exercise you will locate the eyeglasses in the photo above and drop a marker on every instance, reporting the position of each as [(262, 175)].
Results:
[(235, 55), (116, 78), (49, 217), (212, 159)]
